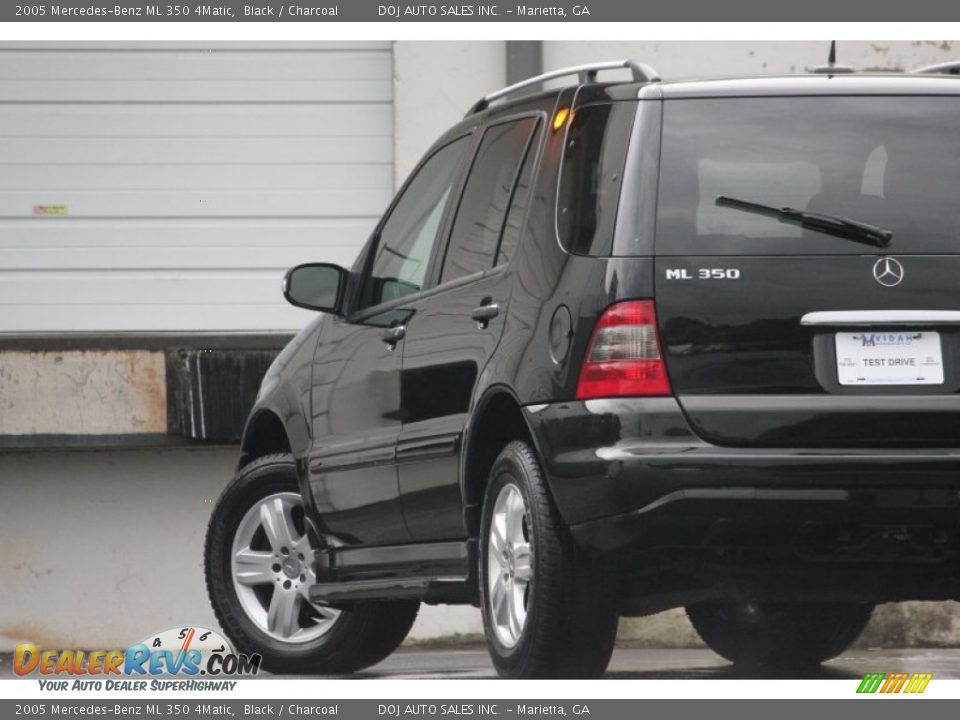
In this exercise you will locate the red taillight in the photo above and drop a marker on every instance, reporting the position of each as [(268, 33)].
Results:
[(624, 358)]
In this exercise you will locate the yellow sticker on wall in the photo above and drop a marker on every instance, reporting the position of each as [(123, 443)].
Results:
[(51, 210)]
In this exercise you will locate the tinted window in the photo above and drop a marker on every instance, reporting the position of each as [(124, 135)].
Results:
[(892, 162), (486, 199), (591, 176), (518, 205), (411, 230)]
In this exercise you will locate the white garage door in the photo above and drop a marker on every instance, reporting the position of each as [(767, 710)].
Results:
[(168, 187)]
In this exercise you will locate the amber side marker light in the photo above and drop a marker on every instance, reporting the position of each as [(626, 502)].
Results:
[(560, 118)]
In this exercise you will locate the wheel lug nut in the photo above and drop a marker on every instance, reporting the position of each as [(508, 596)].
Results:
[(286, 585), (285, 551), (276, 567)]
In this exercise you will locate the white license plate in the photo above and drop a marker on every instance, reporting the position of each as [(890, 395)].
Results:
[(889, 358)]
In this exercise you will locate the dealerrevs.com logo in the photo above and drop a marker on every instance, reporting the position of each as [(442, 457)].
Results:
[(185, 652)]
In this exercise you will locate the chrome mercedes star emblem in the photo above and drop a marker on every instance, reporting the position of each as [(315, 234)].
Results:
[(888, 271)]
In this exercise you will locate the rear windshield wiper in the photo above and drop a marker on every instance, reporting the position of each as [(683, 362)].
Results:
[(829, 224)]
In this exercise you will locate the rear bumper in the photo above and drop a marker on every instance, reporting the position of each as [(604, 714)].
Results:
[(631, 474)]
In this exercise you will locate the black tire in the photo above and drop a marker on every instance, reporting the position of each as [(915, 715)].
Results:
[(779, 635), (571, 620), (362, 636)]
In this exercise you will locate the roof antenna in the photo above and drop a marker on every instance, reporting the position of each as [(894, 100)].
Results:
[(831, 68)]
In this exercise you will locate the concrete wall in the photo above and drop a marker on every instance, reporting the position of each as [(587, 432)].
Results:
[(104, 547), (95, 392), (434, 84)]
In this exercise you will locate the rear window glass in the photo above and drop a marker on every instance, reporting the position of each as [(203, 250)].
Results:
[(889, 162), (591, 176)]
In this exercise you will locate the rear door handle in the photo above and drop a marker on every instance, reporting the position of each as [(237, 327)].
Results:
[(391, 336), (485, 313)]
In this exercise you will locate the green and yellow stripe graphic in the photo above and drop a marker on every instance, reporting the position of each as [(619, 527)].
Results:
[(894, 682)]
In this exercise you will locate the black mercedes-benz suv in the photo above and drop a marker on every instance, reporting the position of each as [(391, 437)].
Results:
[(616, 348)]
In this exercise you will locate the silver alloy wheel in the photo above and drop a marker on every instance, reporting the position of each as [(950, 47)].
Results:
[(272, 570), (509, 566)]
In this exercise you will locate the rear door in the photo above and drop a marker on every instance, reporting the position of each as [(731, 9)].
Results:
[(777, 335), (455, 328)]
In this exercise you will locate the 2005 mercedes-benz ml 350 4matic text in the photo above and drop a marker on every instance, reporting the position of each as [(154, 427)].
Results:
[(616, 348)]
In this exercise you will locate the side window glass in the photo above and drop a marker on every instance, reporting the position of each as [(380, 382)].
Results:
[(590, 173), (410, 232), (518, 205), (486, 199)]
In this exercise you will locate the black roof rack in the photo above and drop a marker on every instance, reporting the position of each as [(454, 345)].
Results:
[(587, 74), (945, 68)]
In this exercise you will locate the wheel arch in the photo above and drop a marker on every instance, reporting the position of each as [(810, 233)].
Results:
[(264, 434), (497, 419)]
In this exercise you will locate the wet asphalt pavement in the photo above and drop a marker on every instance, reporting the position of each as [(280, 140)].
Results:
[(658, 664), (655, 664)]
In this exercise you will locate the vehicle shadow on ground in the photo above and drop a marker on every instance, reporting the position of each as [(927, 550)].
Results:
[(731, 672)]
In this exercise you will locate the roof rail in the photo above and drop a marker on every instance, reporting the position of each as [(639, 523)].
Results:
[(945, 68), (587, 73)]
